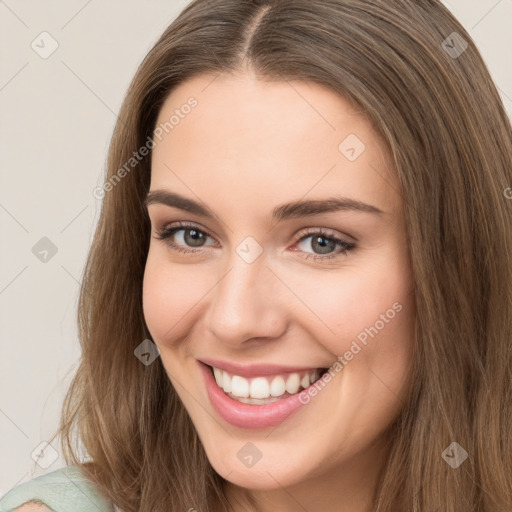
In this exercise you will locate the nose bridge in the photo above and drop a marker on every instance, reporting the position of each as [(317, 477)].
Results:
[(244, 303)]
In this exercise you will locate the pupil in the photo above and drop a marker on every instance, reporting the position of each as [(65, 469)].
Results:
[(196, 242), (326, 246)]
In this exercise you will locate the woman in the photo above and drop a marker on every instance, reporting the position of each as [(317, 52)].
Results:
[(299, 294)]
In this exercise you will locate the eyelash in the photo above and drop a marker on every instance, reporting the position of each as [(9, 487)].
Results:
[(168, 232)]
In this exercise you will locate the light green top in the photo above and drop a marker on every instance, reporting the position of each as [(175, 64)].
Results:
[(62, 490)]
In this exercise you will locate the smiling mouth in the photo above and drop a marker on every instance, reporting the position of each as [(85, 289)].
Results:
[(265, 389)]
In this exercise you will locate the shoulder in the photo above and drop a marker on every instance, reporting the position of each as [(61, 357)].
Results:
[(61, 490), (33, 506)]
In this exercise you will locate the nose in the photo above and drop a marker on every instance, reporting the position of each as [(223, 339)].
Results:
[(247, 302)]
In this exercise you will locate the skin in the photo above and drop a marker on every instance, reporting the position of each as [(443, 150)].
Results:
[(249, 146), (33, 506)]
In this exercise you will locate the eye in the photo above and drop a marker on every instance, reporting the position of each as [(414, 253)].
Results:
[(324, 242), (192, 240), (191, 235)]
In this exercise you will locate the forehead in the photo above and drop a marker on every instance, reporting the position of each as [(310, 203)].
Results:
[(249, 139)]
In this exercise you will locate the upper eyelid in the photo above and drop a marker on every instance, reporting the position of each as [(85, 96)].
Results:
[(301, 234), (334, 232), (178, 226)]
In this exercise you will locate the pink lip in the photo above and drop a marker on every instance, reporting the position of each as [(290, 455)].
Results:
[(254, 370), (246, 415)]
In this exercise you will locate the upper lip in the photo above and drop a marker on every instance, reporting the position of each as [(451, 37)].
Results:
[(255, 370)]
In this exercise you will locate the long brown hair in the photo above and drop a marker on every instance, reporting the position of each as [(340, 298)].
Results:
[(406, 65)]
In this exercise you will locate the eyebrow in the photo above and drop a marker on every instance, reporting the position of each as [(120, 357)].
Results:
[(296, 209)]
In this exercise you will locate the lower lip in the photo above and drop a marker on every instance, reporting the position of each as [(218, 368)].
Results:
[(246, 415)]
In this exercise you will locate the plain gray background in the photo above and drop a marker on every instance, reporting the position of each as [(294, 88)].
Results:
[(57, 117)]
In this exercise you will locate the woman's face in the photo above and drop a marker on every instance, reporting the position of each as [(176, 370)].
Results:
[(251, 281)]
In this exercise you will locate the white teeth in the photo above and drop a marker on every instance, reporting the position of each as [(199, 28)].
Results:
[(293, 383), (219, 377), (226, 382), (277, 386), (256, 401), (260, 388), (240, 386)]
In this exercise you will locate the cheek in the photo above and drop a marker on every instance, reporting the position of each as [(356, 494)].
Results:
[(342, 305), (366, 315), (169, 294)]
